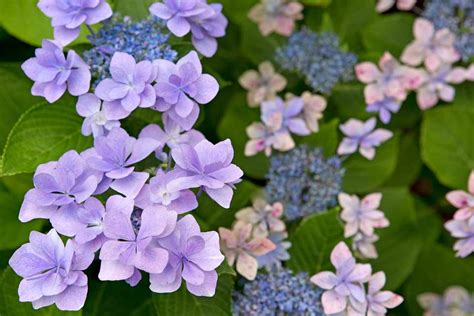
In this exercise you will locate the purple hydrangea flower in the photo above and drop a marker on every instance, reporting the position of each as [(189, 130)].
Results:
[(115, 155), (464, 230), (160, 191), (361, 135), (288, 115), (132, 234), (205, 21), (96, 120), (181, 86), (52, 273), (193, 256), (385, 108), (172, 136), (54, 74), (90, 236), (130, 86), (209, 167), (68, 15), (59, 187), (345, 287), (378, 301)]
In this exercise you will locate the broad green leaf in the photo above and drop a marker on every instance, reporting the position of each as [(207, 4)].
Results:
[(11, 306), (400, 243), (464, 94), (233, 125), (255, 46), (348, 101), (437, 269), (363, 175), (42, 134), (23, 19), (320, 3), (15, 97), (136, 9), (214, 216), (389, 33), (237, 11), (409, 161), (313, 241), (447, 144), (184, 303), (326, 138)]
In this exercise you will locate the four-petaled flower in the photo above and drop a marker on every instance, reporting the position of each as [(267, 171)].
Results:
[(264, 217), (277, 16), (54, 74), (96, 121), (434, 48), (179, 87), (262, 85), (314, 106), (52, 273), (68, 15), (193, 256), (379, 301), (286, 115), (361, 135), (264, 138), (240, 248)]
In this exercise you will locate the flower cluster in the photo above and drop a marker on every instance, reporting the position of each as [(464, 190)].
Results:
[(361, 217), (462, 225), (304, 181), (455, 300), (277, 16), (280, 292), (205, 22), (318, 58), (345, 290), (144, 40), (361, 135), (143, 226), (458, 17), (403, 5)]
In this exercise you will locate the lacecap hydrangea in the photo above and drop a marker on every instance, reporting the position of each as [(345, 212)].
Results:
[(304, 181)]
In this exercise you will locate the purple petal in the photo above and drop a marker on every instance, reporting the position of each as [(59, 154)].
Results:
[(207, 88), (131, 185)]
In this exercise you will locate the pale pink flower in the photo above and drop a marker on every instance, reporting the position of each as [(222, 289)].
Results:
[(434, 48), (464, 201), (436, 85), (392, 80), (364, 246), (343, 289), (265, 218), (403, 5), (464, 230), (277, 16), (455, 301), (361, 135), (361, 215), (379, 301), (314, 106), (264, 138), (262, 85), (241, 249)]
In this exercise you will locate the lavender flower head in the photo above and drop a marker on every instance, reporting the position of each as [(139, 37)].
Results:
[(68, 16), (209, 167), (279, 292), (60, 186), (317, 58), (54, 74), (181, 86), (193, 256), (304, 181), (144, 40), (131, 246), (52, 273), (288, 115), (205, 21)]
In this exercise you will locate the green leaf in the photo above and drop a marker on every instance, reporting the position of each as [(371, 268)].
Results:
[(348, 100), (401, 242), (23, 19), (237, 11), (233, 125), (447, 144), (313, 241), (436, 270), (42, 134), (15, 97), (10, 304), (363, 175), (320, 3), (136, 9), (184, 303), (214, 216), (327, 138), (255, 46), (389, 33), (409, 161)]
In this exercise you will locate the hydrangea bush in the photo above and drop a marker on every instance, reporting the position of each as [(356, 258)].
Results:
[(251, 157)]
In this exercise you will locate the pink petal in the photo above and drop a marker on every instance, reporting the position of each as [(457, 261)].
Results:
[(333, 303), (340, 254), (367, 72), (423, 29), (247, 266), (325, 280)]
